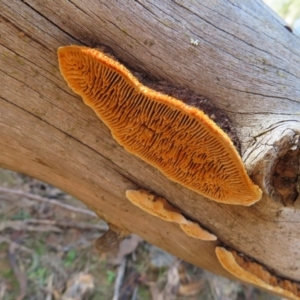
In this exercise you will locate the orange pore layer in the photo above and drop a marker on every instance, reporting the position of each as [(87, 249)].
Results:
[(178, 139)]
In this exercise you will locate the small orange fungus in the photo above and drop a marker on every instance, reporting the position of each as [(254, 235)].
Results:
[(256, 274), (161, 208), (178, 139)]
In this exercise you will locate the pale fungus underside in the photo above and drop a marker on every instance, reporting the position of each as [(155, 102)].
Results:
[(194, 230), (254, 273), (159, 207), (178, 139)]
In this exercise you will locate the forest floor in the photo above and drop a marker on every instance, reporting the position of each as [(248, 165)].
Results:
[(47, 253)]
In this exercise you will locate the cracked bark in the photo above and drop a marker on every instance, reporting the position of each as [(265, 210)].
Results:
[(246, 62)]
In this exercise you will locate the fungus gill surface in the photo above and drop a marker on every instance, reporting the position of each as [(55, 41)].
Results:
[(254, 273), (178, 139), (161, 208)]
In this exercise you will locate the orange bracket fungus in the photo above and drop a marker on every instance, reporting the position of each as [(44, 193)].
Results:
[(178, 139), (161, 208), (253, 273)]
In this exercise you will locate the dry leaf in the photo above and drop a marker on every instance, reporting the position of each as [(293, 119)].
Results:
[(171, 288), (191, 288), (79, 287), (127, 246)]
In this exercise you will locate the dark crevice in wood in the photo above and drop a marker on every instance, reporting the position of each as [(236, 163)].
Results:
[(286, 176)]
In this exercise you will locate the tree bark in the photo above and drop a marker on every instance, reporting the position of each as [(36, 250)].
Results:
[(236, 53)]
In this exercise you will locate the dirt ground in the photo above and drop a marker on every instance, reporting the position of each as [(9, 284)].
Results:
[(47, 253)]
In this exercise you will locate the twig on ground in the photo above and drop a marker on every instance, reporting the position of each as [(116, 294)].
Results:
[(135, 292), (2, 290), (47, 200), (49, 287), (119, 279), (49, 225), (15, 245), (19, 273), (130, 285), (25, 226), (69, 224)]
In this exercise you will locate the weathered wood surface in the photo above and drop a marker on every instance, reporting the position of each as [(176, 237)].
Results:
[(246, 62)]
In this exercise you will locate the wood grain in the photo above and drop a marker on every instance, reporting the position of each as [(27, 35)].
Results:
[(246, 62)]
